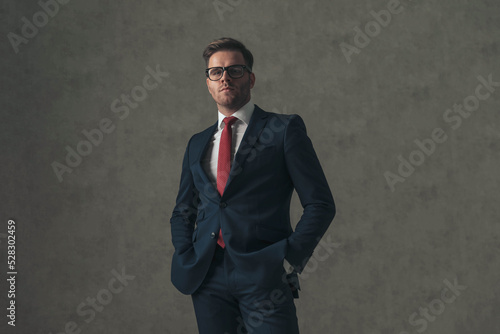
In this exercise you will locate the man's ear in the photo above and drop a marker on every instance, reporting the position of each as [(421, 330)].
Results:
[(252, 80)]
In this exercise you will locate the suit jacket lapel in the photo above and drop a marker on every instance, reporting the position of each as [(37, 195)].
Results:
[(205, 139), (252, 133)]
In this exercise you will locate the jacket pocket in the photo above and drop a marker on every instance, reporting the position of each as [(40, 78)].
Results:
[(270, 234)]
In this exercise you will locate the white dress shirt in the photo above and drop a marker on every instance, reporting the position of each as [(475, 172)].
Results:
[(209, 161)]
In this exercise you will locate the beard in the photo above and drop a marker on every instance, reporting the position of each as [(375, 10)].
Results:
[(235, 98)]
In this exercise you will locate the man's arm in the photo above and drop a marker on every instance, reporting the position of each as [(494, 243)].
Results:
[(313, 190), (185, 211)]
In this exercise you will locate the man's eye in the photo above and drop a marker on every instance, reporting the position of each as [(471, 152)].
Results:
[(236, 70), (216, 71)]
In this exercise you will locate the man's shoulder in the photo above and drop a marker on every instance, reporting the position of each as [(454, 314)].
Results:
[(275, 115), (208, 130), (292, 125), (203, 134)]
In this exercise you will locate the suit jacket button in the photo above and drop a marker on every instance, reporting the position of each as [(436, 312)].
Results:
[(212, 235), (223, 204)]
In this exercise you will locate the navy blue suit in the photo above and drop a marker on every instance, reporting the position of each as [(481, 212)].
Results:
[(275, 157)]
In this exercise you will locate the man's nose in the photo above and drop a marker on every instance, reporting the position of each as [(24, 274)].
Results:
[(225, 76)]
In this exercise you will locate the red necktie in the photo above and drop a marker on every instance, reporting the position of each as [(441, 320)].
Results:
[(224, 162)]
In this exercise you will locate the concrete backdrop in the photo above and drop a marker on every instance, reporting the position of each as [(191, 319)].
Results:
[(415, 244)]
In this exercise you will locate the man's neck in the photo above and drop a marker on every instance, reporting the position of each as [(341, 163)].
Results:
[(228, 111)]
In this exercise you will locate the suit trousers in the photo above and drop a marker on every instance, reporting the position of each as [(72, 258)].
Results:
[(227, 302)]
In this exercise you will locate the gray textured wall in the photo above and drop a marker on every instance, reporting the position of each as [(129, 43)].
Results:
[(391, 252)]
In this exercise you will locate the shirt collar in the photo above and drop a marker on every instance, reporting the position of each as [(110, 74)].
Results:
[(244, 114)]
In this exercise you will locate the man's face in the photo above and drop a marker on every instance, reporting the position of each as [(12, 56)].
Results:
[(230, 94)]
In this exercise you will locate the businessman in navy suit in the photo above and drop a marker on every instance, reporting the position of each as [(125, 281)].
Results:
[(231, 223)]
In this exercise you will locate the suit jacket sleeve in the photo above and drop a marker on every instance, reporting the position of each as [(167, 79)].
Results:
[(313, 191), (186, 209)]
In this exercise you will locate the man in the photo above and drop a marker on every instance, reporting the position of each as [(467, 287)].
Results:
[(231, 224)]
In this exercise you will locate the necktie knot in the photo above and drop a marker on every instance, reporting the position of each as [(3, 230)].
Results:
[(229, 120)]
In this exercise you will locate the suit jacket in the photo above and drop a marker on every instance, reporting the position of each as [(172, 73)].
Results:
[(275, 157)]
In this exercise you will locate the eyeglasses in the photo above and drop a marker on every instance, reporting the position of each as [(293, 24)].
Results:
[(234, 71)]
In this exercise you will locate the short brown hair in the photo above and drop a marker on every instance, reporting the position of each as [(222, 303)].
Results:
[(227, 43)]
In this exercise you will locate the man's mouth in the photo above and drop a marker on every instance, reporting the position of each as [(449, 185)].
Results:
[(226, 89)]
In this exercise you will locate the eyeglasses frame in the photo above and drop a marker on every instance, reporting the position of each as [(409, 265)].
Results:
[(225, 69)]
